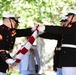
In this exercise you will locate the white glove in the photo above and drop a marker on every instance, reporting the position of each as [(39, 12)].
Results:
[(41, 29), (10, 61)]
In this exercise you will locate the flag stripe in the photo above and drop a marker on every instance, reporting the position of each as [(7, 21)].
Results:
[(26, 47)]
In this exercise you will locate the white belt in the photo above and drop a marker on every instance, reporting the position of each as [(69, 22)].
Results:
[(68, 45), (58, 48)]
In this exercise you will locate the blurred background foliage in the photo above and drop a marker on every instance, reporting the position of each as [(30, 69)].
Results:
[(33, 12)]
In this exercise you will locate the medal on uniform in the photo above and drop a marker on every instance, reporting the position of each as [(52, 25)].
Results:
[(1, 37), (13, 33)]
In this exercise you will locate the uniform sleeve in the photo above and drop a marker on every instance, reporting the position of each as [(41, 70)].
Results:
[(59, 30), (49, 36), (23, 32), (5, 55)]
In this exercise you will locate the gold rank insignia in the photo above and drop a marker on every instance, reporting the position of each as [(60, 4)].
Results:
[(13, 33), (1, 37), (32, 51)]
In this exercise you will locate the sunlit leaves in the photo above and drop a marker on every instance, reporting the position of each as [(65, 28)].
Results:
[(37, 11)]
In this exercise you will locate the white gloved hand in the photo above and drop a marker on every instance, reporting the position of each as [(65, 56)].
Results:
[(10, 61), (41, 28), (34, 28)]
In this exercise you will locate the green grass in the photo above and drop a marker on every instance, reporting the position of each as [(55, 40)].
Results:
[(13, 73)]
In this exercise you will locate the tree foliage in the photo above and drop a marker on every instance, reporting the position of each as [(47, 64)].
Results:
[(37, 11)]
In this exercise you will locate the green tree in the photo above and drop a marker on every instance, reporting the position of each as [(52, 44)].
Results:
[(37, 11)]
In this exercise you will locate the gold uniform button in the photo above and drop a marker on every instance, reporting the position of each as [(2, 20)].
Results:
[(7, 40), (12, 42), (7, 36), (64, 52)]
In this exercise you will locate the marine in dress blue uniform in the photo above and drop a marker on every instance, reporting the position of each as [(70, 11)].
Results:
[(68, 48), (7, 39)]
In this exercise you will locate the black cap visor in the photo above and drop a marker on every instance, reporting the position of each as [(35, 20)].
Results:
[(63, 20), (70, 14)]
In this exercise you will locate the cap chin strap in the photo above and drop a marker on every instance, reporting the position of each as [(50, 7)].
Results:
[(70, 20), (11, 23)]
